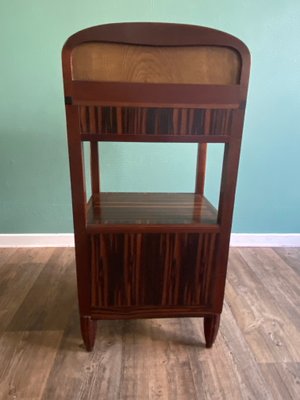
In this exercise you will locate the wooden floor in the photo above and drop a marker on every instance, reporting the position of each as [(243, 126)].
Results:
[(256, 354)]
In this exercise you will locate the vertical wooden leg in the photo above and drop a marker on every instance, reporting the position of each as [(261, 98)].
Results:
[(88, 331), (211, 327)]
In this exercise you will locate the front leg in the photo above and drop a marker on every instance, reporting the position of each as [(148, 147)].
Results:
[(88, 331), (211, 327)]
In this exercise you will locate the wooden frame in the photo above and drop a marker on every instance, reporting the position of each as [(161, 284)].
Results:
[(123, 241)]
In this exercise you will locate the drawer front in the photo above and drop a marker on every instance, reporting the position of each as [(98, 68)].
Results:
[(155, 269)]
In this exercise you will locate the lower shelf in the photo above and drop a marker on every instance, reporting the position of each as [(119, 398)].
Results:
[(150, 212)]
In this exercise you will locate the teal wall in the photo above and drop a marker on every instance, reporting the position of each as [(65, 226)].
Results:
[(34, 176)]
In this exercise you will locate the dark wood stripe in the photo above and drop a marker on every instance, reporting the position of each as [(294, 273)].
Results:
[(156, 122)]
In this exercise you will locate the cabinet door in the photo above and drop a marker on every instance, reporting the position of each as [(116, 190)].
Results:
[(155, 269)]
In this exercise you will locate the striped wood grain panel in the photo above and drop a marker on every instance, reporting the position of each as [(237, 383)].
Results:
[(155, 121), (156, 269)]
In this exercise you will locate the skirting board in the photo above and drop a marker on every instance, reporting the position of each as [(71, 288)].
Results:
[(67, 240)]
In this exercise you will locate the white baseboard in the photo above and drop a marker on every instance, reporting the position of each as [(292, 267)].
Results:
[(265, 240), (67, 240), (37, 240)]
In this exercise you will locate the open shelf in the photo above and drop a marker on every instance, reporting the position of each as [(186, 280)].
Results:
[(147, 212)]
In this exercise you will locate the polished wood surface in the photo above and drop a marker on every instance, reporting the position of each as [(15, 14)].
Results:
[(152, 270), (166, 95), (187, 210), (255, 356), (153, 255), (130, 63)]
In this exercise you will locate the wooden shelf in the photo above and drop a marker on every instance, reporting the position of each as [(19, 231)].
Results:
[(147, 212)]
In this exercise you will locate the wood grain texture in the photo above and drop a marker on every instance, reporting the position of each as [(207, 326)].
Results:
[(156, 95), (290, 256), (129, 63), (109, 120), (26, 359), (155, 358), (52, 292), (261, 318), (168, 270), (23, 268), (283, 282), (163, 210), (283, 379)]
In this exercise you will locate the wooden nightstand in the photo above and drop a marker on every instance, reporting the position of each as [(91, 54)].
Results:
[(150, 255)]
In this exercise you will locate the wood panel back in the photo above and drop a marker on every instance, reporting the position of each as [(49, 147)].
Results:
[(150, 64)]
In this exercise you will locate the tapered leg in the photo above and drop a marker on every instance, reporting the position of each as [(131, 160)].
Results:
[(88, 331), (211, 327)]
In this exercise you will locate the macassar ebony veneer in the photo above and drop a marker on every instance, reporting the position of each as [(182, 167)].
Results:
[(150, 255)]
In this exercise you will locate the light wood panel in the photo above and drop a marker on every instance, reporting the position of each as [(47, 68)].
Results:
[(256, 355), (149, 64)]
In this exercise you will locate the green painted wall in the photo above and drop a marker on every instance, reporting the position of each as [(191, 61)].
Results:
[(34, 176)]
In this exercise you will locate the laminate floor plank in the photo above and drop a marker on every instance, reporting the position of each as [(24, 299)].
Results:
[(5, 254), (213, 371), (291, 256), (47, 304), (26, 359), (283, 379), (268, 331), (103, 371), (17, 276), (136, 359), (252, 383), (170, 374), (85, 375), (255, 356), (279, 279)]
